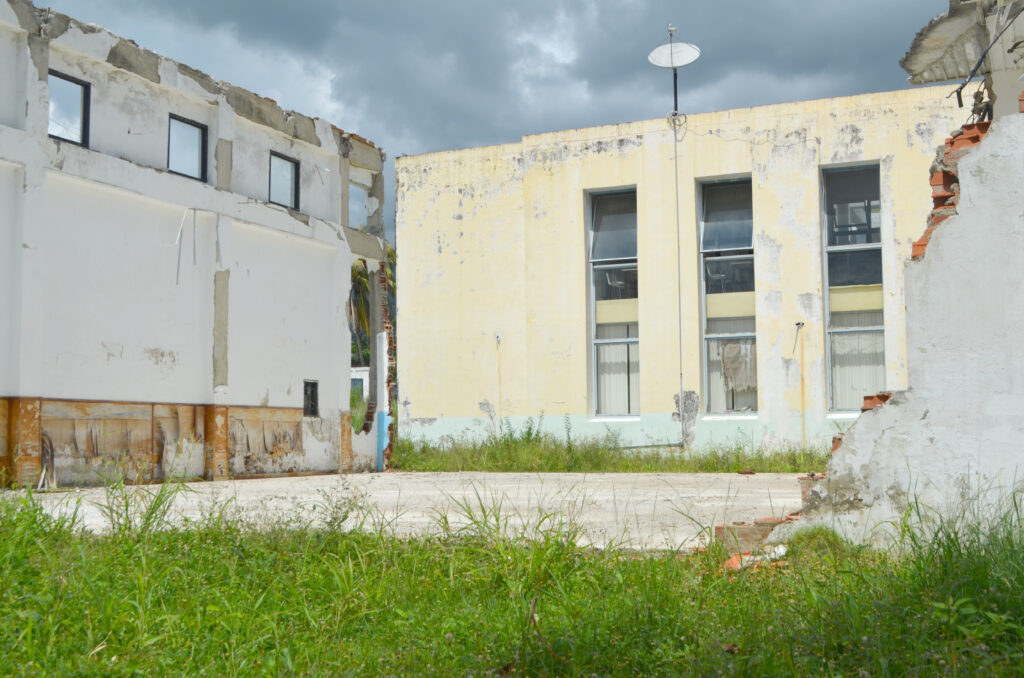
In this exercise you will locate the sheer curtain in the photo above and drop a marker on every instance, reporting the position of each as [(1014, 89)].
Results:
[(858, 359), (618, 370)]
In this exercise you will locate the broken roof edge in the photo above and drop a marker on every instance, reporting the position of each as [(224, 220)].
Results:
[(365, 245), (949, 46), (128, 56), (908, 95)]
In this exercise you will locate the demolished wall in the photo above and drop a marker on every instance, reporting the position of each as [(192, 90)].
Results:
[(949, 447)]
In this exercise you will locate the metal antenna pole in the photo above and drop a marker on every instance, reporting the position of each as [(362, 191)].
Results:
[(675, 74)]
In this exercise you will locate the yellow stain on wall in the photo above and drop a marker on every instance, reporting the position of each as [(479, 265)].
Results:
[(617, 311), (855, 298), (730, 305), (496, 242)]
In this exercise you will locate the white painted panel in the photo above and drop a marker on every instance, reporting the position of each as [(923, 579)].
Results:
[(283, 290), (12, 78), (103, 316), (10, 225)]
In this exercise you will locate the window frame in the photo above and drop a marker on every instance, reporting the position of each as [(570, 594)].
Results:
[(856, 247), (85, 107), (295, 176), (723, 254), (311, 398), (605, 264), (204, 135)]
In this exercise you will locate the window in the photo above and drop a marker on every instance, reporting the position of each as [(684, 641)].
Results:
[(186, 148), (613, 271), (284, 181), (727, 261), (69, 108), (853, 268), (310, 399)]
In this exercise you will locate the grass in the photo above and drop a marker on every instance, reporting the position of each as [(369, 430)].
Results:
[(226, 598), (357, 406), (533, 450)]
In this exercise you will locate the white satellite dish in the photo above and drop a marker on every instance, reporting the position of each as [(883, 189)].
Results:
[(674, 55)]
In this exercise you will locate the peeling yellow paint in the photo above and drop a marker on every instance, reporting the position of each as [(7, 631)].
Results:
[(499, 236)]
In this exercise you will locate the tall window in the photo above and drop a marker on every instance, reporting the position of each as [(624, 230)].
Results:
[(853, 265), (284, 181), (186, 147), (613, 269), (69, 108), (727, 258)]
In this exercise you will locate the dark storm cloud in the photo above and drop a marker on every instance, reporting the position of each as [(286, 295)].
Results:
[(420, 76)]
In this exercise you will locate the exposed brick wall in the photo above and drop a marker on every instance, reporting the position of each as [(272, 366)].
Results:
[(945, 182)]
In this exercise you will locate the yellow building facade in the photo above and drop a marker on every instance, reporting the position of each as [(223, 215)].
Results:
[(725, 277)]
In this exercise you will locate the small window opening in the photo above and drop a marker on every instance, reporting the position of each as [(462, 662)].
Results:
[(69, 109), (310, 399), (284, 181), (186, 148)]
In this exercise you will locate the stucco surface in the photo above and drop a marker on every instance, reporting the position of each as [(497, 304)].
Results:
[(951, 444), (135, 290), (649, 511), (495, 311)]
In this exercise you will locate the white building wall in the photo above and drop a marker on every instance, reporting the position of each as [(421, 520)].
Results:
[(948, 448), (104, 317), (279, 327), (10, 226), (109, 262)]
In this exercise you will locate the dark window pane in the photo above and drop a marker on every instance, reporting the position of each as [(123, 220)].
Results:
[(310, 399), (614, 226), (852, 206), (855, 268), (615, 283), (728, 275), (728, 217)]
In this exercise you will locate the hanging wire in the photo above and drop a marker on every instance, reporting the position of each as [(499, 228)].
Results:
[(959, 90)]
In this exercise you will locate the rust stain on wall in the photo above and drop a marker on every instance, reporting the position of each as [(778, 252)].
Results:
[(264, 440), (24, 439), (216, 437), (345, 462), (95, 441), (4, 451)]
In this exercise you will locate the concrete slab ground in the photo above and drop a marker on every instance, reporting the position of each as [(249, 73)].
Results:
[(633, 510)]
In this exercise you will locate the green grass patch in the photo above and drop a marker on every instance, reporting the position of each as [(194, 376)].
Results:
[(225, 598), (534, 450), (357, 406)]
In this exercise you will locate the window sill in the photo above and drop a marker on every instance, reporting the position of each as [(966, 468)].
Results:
[(614, 419), (730, 417), (843, 414)]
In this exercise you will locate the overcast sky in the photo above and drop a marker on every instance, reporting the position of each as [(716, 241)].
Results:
[(417, 76)]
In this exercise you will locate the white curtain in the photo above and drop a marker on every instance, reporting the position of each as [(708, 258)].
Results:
[(618, 370), (732, 375), (858, 368)]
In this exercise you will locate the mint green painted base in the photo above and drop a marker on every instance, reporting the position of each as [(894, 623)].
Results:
[(644, 430)]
